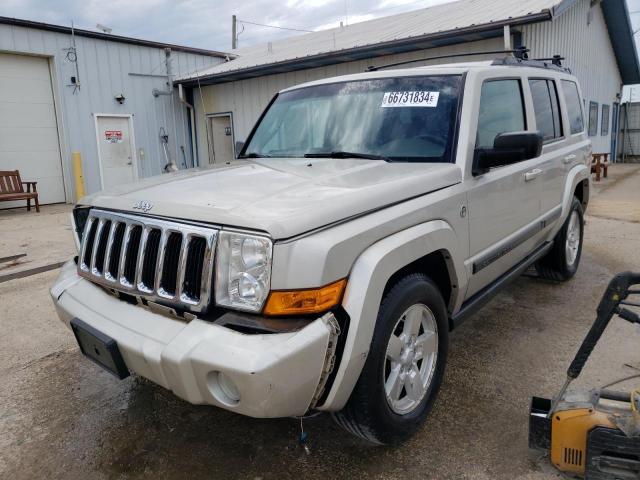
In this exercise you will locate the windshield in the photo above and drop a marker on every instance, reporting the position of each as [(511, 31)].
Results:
[(409, 119)]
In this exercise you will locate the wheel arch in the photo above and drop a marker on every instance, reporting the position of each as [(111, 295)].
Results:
[(429, 245)]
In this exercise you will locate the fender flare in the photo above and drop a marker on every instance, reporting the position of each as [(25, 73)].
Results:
[(367, 280), (576, 175)]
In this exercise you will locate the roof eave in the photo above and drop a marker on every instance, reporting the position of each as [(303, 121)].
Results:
[(618, 22), (449, 37), (19, 22)]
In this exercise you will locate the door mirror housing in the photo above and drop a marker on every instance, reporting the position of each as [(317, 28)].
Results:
[(508, 148)]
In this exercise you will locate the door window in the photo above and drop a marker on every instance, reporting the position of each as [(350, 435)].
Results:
[(574, 106), (501, 110), (546, 108)]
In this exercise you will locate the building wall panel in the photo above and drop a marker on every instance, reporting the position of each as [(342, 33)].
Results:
[(105, 69), (580, 35)]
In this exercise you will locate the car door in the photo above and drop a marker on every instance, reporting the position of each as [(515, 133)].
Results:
[(504, 203), (556, 151)]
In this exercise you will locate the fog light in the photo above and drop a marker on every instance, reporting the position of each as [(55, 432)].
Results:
[(223, 388)]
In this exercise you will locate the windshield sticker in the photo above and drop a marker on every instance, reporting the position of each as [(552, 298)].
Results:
[(410, 99)]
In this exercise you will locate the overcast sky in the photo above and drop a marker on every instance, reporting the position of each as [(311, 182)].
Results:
[(206, 23)]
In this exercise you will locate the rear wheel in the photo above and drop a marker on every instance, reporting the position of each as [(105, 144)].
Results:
[(405, 365), (562, 261)]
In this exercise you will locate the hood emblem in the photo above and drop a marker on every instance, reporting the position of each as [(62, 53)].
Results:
[(142, 205)]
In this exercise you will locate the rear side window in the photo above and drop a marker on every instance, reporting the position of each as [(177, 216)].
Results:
[(501, 111), (546, 108), (574, 106)]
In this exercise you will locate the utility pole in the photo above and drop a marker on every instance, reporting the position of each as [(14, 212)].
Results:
[(234, 32)]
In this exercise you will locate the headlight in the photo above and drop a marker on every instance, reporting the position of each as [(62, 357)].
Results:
[(243, 271)]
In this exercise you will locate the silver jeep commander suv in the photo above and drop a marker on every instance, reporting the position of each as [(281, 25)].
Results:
[(365, 218)]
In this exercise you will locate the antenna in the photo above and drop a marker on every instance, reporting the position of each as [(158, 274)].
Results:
[(107, 30)]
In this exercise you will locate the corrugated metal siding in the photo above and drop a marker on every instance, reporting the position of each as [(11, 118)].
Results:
[(588, 53), (248, 98), (105, 69), (417, 23)]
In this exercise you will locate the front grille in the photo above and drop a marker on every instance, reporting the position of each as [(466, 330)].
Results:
[(163, 261)]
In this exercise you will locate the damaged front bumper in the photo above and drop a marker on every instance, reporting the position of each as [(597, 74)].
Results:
[(274, 375)]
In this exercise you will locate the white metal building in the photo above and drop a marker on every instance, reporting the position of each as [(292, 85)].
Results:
[(89, 92), (594, 36)]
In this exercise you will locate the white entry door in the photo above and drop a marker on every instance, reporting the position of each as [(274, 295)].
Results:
[(116, 150)]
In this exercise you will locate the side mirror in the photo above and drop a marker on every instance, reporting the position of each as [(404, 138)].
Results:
[(508, 148), (239, 147)]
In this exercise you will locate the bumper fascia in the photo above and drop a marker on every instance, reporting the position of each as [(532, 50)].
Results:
[(277, 375)]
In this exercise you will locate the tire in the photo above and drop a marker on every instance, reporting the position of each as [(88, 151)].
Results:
[(370, 413), (562, 261)]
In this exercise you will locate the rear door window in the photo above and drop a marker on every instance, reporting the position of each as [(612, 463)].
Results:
[(501, 110), (574, 106), (546, 108)]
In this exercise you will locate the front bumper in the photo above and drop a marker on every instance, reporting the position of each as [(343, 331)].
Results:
[(276, 375)]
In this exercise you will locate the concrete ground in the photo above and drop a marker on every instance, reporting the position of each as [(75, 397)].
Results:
[(62, 417)]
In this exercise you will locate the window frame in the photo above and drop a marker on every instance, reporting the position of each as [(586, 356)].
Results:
[(562, 135), (604, 128), (522, 101), (595, 132)]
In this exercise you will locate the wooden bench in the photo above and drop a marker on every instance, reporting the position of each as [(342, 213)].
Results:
[(12, 188), (598, 165)]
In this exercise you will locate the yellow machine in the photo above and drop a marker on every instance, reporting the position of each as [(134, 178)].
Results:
[(594, 434)]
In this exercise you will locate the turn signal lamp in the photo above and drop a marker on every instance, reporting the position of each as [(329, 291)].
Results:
[(303, 302)]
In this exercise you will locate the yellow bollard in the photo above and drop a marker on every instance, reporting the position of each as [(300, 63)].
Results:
[(77, 174)]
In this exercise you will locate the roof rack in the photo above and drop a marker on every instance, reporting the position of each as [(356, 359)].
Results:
[(556, 63), (519, 53), (518, 56)]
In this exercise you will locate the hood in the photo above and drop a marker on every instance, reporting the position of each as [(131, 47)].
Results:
[(281, 196)]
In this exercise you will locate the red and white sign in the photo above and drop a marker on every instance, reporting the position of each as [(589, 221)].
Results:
[(113, 136)]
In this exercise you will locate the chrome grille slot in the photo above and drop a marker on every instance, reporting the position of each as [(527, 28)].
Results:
[(163, 261), (170, 264), (113, 266), (150, 258), (193, 269), (101, 248)]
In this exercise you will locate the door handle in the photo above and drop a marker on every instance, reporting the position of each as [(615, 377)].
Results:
[(568, 159), (532, 174)]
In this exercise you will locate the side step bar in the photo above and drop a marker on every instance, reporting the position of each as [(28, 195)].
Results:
[(481, 298)]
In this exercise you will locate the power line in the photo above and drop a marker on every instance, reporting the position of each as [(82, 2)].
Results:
[(274, 26)]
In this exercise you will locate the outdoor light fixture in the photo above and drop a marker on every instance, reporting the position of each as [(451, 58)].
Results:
[(119, 98)]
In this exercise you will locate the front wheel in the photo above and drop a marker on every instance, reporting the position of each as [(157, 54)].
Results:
[(561, 263), (405, 366)]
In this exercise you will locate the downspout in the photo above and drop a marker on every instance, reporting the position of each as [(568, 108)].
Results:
[(192, 119)]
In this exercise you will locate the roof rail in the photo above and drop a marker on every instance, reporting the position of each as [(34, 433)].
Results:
[(519, 53)]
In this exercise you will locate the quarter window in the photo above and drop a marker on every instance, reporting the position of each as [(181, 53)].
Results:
[(574, 106), (501, 111), (604, 127), (546, 108), (593, 119)]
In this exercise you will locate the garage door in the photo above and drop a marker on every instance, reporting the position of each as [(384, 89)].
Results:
[(28, 129)]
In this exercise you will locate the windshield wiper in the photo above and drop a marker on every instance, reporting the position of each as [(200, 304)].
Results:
[(341, 154), (254, 155)]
